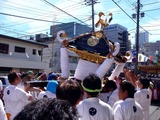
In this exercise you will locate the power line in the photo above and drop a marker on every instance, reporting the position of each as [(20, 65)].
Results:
[(29, 10), (151, 3), (151, 10), (72, 1), (45, 13), (28, 18), (64, 11), (154, 30), (19, 22), (129, 15), (24, 34), (24, 7), (152, 25), (13, 31), (129, 3), (20, 9), (78, 3), (153, 18), (146, 23)]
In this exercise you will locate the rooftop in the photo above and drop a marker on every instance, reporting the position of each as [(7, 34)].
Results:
[(22, 40)]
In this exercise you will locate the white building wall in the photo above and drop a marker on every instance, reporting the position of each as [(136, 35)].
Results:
[(25, 60), (28, 46), (19, 63)]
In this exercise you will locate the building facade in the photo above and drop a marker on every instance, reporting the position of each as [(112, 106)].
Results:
[(72, 29), (118, 33), (143, 38), (20, 55)]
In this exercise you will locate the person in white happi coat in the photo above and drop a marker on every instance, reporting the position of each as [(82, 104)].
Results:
[(93, 108), (51, 90), (2, 112), (128, 109), (143, 96), (114, 96), (110, 87), (1, 86), (15, 98)]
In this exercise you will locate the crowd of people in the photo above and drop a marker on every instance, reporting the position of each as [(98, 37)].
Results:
[(125, 98)]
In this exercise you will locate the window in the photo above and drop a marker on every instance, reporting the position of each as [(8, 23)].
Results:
[(120, 34), (39, 52), (34, 52), (4, 48), (19, 49), (73, 59), (120, 38)]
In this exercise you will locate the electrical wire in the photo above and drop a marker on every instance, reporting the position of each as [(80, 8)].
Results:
[(30, 10), (153, 29), (13, 31), (151, 3), (28, 18), (26, 21), (24, 34), (152, 18), (151, 10), (64, 11), (25, 7), (129, 3), (152, 26), (129, 15)]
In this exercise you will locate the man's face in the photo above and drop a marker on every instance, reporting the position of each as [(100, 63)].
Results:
[(18, 80), (31, 75), (122, 94)]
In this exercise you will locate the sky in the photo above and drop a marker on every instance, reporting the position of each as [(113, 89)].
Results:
[(39, 9)]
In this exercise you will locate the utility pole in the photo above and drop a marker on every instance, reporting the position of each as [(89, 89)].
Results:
[(92, 15), (137, 34), (88, 3), (52, 54), (137, 16)]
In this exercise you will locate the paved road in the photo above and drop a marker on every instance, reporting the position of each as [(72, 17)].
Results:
[(155, 111)]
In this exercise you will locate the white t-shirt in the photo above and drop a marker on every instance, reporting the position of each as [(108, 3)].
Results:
[(46, 94), (1, 86), (2, 112), (34, 94), (113, 97), (21, 86), (15, 99), (143, 97), (104, 97), (129, 109), (117, 103), (94, 109)]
